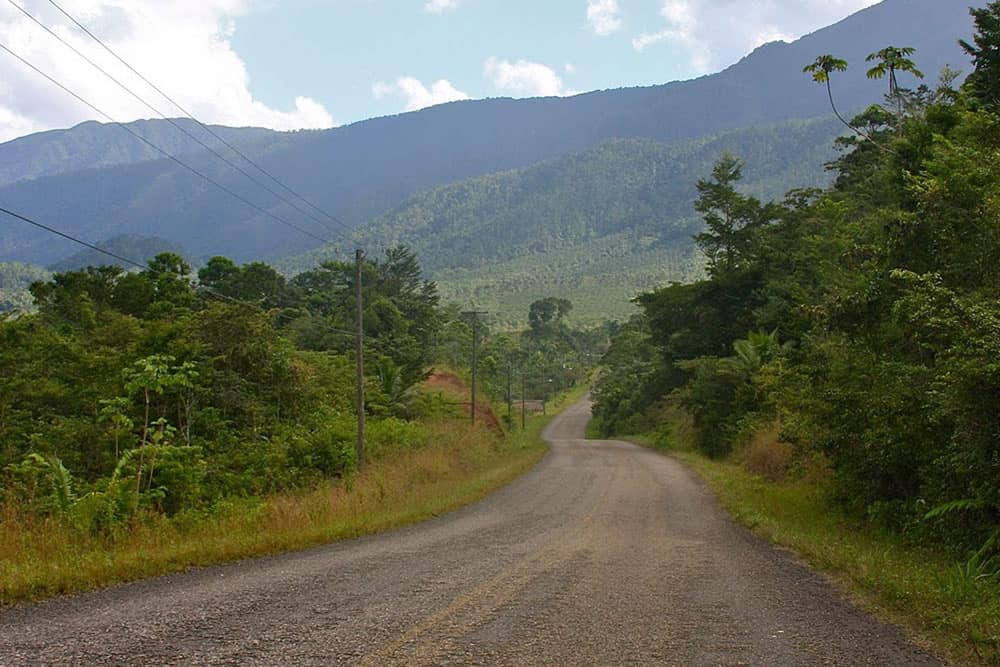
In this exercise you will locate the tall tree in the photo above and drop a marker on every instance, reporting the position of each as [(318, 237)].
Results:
[(732, 218), (821, 68), (888, 62), (984, 82)]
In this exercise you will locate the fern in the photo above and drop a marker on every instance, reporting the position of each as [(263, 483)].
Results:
[(963, 505), (62, 483)]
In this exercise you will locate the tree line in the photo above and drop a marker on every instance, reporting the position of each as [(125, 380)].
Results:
[(166, 391), (861, 323), (153, 390)]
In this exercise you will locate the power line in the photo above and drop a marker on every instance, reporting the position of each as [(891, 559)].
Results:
[(188, 114), (177, 125), (145, 267), (164, 152), (359, 335), (104, 251), (52, 230)]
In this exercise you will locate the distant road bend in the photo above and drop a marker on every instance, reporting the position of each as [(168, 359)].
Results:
[(605, 554)]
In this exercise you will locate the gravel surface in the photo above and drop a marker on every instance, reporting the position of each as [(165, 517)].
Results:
[(605, 554)]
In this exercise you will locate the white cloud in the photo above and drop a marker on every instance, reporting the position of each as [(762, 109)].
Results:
[(570, 68), (604, 16), (525, 78), (416, 94), (15, 125), (647, 39), (716, 33), (771, 34), (441, 6), (183, 46)]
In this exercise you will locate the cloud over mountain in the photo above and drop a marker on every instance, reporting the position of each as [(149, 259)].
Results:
[(716, 33), (183, 46)]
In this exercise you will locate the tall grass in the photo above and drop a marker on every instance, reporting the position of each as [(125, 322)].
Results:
[(457, 465)]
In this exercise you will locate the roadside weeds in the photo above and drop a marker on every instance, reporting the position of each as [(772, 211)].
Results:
[(41, 558)]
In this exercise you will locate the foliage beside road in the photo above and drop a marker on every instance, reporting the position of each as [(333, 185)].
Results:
[(859, 324), (844, 347), (152, 420)]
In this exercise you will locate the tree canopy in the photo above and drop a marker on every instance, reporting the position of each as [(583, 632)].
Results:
[(860, 322)]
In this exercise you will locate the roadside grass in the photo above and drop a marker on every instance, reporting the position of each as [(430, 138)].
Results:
[(459, 465), (943, 605)]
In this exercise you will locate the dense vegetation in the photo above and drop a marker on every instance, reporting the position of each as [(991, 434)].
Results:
[(360, 172), (15, 279), (853, 329), (544, 360), (129, 394), (133, 391)]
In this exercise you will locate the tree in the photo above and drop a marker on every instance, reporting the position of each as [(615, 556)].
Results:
[(732, 218), (821, 68), (255, 281), (155, 375), (259, 282), (75, 297), (888, 61), (984, 82), (170, 277), (545, 315), (218, 272)]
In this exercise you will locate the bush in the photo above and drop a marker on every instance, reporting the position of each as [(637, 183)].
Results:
[(387, 435), (767, 455), (714, 398)]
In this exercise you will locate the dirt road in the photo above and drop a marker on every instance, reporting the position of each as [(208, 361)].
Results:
[(605, 554)]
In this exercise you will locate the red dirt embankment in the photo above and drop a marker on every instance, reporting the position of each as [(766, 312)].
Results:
[(455, 387)]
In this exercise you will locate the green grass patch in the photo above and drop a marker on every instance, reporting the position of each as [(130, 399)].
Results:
[(943, 605), (458, 466)]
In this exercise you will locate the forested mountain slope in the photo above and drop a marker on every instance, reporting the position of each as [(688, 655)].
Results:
[(596, 227), (92, 144), (361, 171), (138, 248)]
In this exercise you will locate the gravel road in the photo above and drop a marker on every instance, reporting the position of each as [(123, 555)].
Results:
[(605, 554)]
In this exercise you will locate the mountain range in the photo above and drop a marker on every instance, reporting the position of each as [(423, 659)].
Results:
[(503, 199)]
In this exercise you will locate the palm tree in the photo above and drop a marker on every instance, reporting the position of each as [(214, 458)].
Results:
[(821, 68), (888, 61), (398, 392), (893, 59)]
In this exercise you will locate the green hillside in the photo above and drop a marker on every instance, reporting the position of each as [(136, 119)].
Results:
[(596, 227), (92, 144), (15, 279)]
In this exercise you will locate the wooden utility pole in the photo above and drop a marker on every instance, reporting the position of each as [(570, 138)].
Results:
[(360, 351), (523, 420), (475, 355), (510, 397)]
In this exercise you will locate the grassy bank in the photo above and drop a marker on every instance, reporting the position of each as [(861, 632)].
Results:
[(946, 606), (458, 466)]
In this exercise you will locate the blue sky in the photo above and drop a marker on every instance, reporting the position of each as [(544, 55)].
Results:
[(350, 45), (290, 64)]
